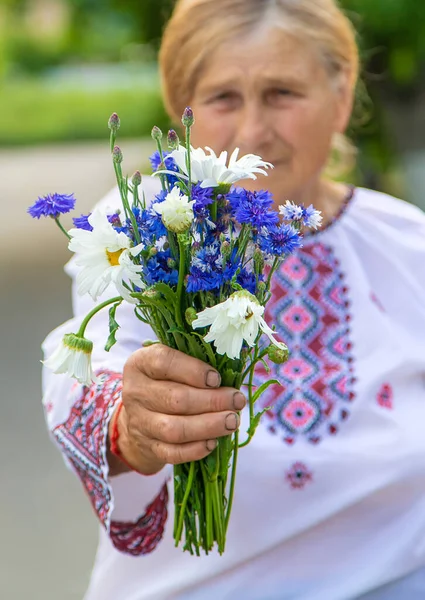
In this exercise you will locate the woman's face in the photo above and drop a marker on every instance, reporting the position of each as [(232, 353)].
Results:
[(268, 94)]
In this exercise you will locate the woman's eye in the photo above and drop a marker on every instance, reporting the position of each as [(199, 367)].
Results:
[(280, 96), (224, 99), (282, 92)]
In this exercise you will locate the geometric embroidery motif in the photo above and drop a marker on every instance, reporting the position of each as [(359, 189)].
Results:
[(298, 476), (310, 309), (83, 439), (142, 536), (385, 396)]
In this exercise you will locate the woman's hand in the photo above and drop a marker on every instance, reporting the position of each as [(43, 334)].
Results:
[(173, 410)]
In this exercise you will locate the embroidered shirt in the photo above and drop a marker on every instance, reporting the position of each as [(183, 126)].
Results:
[(330, 494)]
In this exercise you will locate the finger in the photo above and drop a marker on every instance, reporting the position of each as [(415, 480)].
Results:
[(180, 399), (181, 430), (163, 363), (176, 454)]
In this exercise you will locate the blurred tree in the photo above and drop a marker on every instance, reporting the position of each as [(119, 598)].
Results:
[(392, 38)]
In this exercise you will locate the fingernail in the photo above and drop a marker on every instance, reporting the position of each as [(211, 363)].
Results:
[(239, 400), (211, 445), (213, 379), (232, 421)]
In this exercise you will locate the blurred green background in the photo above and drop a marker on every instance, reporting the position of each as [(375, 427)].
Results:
[(65, 66)]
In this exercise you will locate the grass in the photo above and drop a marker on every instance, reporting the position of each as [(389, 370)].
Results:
[(34, 113)]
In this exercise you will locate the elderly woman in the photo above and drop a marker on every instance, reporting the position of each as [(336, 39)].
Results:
[(330, 495)]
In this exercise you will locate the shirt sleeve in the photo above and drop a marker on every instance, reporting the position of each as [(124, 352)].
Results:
[(78, 418)]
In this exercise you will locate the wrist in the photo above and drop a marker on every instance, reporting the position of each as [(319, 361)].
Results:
[(126, 457)]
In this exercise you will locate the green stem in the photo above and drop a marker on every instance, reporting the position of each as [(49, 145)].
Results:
[(124, 199), (112, 139), (188, 162), (61, 227), (95, 310), (232, 480), (272, 270), (184, 503), (163, 178), (182, 275), (218, 516)]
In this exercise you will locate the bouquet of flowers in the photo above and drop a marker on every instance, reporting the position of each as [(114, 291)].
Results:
[(197, 265)]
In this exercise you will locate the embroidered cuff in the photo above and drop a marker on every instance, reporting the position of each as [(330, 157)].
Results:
[(83, 440)]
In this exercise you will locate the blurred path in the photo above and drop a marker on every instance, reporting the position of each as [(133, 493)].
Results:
[(48, 533)]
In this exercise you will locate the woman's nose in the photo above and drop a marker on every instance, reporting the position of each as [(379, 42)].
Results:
[(255, 129)]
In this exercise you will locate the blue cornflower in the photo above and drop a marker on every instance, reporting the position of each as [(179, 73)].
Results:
[(253, 207), (155, 161), (202, 196), (279, 240), (52, 205), (298, 213), (169, 164), (157, 269), (82, 222), (208, 258), (151, 224), (312, 217), (225, 220), (200, 281), (247, 280)]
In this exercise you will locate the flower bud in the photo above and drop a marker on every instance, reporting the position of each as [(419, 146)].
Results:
[(117, 155), (226, 251), (190, 315), (258, 260), (153, 251), (277, 355), (136, 180), (114, 122), (173, 140), (261, 287), (156, 133), (171, 263), (188, 118)]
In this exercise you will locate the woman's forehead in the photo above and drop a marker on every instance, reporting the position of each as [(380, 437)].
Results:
[(268, 58)]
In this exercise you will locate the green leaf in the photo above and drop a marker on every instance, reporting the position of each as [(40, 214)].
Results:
[(263, 388), (211, 465), (255, 422), (195, 347), (228, 377), (169, 294), (113, 327), (208, 350)]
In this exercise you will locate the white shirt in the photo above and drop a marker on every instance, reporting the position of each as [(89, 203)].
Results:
[(330, 494)]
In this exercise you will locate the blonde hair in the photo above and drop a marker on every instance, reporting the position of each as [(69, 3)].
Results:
[(198, 27)]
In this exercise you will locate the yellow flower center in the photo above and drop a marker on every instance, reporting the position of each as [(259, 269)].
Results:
[(113, 257)]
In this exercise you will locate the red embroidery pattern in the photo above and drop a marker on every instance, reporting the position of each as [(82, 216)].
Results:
[(143, 535), (310, 309), (385, 396), (298, 476), (83, 438)]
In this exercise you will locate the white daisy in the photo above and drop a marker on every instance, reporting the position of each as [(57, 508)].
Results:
[(73, 357), (105, 256), (176, 211), (212, 170), (231, 322)]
